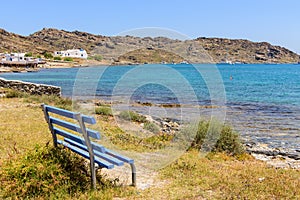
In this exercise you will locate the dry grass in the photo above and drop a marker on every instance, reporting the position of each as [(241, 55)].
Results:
[(22, 126), (223, 177), (218, 176)]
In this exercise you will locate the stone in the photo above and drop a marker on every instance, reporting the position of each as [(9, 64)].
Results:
[(31, 88)]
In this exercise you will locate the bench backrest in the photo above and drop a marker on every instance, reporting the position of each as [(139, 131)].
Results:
[(55, 124)]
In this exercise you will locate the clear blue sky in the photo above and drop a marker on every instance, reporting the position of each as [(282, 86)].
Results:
[(274, 21)]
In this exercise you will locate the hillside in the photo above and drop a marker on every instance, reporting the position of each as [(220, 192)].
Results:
[(129, 49)]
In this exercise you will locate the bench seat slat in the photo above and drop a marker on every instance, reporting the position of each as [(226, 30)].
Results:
[(104, 156), (69, 114), (85, 154), (73, 127), (118, 156)]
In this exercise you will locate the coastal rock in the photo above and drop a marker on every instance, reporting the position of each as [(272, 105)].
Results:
[(277, 158), (169, 126)]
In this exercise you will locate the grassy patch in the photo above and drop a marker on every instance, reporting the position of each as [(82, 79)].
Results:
[(42, 172), (57, 58), (104, 110), (60, 102), (151, 127), (39, 172), (132, 116), (95, 57), (15, 94), (48, 172), (128, 141), (224, 177), (68, 59), (22, 127), (57, 101)]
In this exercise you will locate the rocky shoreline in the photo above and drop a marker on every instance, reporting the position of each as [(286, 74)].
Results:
[(278, 158)]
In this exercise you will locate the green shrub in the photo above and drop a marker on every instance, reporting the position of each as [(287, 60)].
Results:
[(68, 59), (57, 58), (39, 56), (29, 54), (229, 142), (48, 55), (218, 138), (42, 172), (130, 115), (151, 127), (104, 110), (95, 57), (47, 173)]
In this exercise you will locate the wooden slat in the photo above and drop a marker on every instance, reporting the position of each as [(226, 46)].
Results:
[(104, 156), (74, 127), (69, 114), (100, 162)]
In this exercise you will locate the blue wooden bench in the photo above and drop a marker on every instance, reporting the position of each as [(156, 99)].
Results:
[(70, 137)]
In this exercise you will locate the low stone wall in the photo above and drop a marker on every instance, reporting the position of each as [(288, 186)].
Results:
[(31, 88)]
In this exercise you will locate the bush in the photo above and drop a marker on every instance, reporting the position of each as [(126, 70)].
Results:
[(48, 173), (104, 110), (42, 172), (229, 142), (68, 59), (29, 54), (57, 58), (95, 57), (130, 115), (151, 127), (218, 138), (48, 55)]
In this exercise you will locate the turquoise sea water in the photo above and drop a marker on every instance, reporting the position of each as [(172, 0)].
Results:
[(262, 100)]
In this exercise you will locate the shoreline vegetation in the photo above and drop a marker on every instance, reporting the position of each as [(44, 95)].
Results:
[(33, 169)]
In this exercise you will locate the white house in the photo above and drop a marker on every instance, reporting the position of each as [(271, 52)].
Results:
[(16, 57), (73, 53)]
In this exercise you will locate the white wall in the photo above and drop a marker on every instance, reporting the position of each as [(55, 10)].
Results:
[(73, 53)]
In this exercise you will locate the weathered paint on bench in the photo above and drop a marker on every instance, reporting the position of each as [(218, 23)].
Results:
[(83, 146)]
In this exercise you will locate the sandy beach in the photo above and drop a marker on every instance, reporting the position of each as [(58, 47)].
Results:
[(57, 64)]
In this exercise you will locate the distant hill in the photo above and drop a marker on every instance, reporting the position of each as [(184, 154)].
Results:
[(129, 49)]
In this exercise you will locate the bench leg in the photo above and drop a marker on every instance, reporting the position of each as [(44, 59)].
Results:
[(133, 170), (93, 175)]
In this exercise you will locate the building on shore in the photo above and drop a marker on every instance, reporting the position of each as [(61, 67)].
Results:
[(19, 60), (73, 53), (13, 57)]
